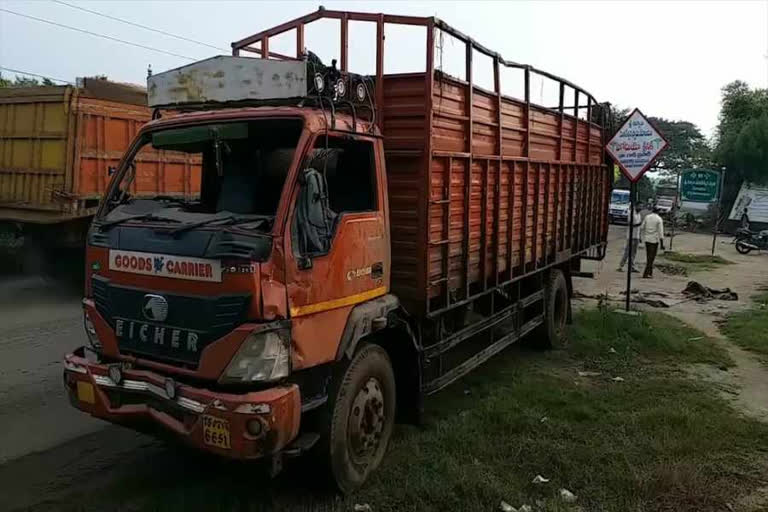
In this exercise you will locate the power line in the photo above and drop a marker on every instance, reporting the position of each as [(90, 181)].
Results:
[(96, 34), (163, 32), (35, 74)]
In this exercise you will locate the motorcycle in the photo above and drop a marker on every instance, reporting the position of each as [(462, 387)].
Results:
[(743, 234), (752, 241)]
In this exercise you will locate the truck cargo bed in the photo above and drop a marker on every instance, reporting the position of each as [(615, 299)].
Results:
[(490, 205), (57, 143)]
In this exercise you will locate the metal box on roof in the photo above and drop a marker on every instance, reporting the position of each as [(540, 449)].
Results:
[(225, 79)]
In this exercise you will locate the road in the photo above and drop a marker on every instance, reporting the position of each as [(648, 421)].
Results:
[(38, 427)]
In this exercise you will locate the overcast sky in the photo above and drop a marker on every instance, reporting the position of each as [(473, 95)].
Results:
[(670, 59)]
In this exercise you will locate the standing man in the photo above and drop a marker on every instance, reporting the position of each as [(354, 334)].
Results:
[(634, 219), (745, 220), (652, 230)]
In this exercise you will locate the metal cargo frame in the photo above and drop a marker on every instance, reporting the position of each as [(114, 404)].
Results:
[(564, 215)]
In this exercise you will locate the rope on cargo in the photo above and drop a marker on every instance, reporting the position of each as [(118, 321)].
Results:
[(121, 20), (95, 34)]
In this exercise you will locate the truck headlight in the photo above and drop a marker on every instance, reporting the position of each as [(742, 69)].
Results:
[(262, 357), (90, 331)]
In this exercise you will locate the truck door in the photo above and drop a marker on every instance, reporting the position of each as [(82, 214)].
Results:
[(337, 247)]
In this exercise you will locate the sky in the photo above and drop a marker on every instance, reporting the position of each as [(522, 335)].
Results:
[(670, 59)]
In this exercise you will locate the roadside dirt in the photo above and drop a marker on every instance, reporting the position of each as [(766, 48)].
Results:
[(746, 383)]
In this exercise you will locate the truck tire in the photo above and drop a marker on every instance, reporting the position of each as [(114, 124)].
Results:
[(362, 418), (557, 304)]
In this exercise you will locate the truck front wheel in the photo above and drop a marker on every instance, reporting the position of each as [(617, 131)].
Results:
[(363, 415), (557, 303)]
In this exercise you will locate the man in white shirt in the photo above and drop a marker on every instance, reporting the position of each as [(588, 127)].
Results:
[(631, 245), (652, 233)]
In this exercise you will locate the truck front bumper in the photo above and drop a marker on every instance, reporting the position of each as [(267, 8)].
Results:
[(240, 426)]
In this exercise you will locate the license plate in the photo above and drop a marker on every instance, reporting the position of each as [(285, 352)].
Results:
[(85, 392), (216, 432)]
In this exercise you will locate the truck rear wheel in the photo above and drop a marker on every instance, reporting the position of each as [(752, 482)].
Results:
[(362, 420), (557, 304)]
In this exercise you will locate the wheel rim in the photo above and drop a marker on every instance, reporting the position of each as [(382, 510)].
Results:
[(366, 421)]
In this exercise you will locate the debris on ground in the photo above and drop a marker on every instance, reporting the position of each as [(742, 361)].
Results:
[(362, 508), (538, 479), (671, 269), (697, 338), (506, 507), (589, 374), (596, 296), (646, 293), (701, 293), (612, 351), (543, 419), (649, 297), (525, 508), (567, 496), (618, 379)]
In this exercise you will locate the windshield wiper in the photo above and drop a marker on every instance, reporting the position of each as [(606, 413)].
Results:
[(229, 219), (143, 216)]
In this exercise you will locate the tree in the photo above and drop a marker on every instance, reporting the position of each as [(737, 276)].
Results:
[(742, 134), (688, 149), (20, 81)]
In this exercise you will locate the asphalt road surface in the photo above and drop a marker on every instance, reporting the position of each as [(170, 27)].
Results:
[(44, 442)]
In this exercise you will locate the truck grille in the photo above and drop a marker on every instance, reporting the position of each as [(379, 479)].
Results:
[(191, 324)]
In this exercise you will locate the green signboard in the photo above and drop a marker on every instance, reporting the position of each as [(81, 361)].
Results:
[(700, 186)]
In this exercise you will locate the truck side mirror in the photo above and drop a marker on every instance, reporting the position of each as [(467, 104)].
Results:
[(313, 221)]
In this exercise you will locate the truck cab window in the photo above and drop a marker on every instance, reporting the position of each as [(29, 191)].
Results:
[(233, 171), (349, 171)]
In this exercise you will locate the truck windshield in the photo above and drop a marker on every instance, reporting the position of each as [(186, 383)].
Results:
[(618, 197), (211, 174)]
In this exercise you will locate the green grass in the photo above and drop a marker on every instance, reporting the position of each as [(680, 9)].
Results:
[(749, 329), (658, 441), (695, 262)]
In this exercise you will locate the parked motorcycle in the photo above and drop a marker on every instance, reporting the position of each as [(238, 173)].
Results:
[(743, 234), (752, 241)]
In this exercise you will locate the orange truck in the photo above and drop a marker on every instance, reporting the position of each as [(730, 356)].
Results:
[(357, 243), (57, 146)]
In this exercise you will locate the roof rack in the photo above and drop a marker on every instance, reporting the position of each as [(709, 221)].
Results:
[(431, 23)]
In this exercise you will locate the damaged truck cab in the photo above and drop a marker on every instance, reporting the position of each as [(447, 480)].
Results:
[(336, 247), (249, 286)]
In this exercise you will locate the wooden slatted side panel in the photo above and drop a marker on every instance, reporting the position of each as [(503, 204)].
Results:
[(105, 130), (555, 203), (404, 135)]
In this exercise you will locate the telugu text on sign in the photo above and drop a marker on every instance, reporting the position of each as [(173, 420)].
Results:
[(700, 185), (636, 145)]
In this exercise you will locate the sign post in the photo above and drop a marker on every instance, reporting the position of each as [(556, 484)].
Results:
[(634, 147), (717, 210), (703, 186)]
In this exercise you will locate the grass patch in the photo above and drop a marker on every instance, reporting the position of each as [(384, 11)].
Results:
[(695, 262), (652, 337), (656, 442), (749, 329)]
